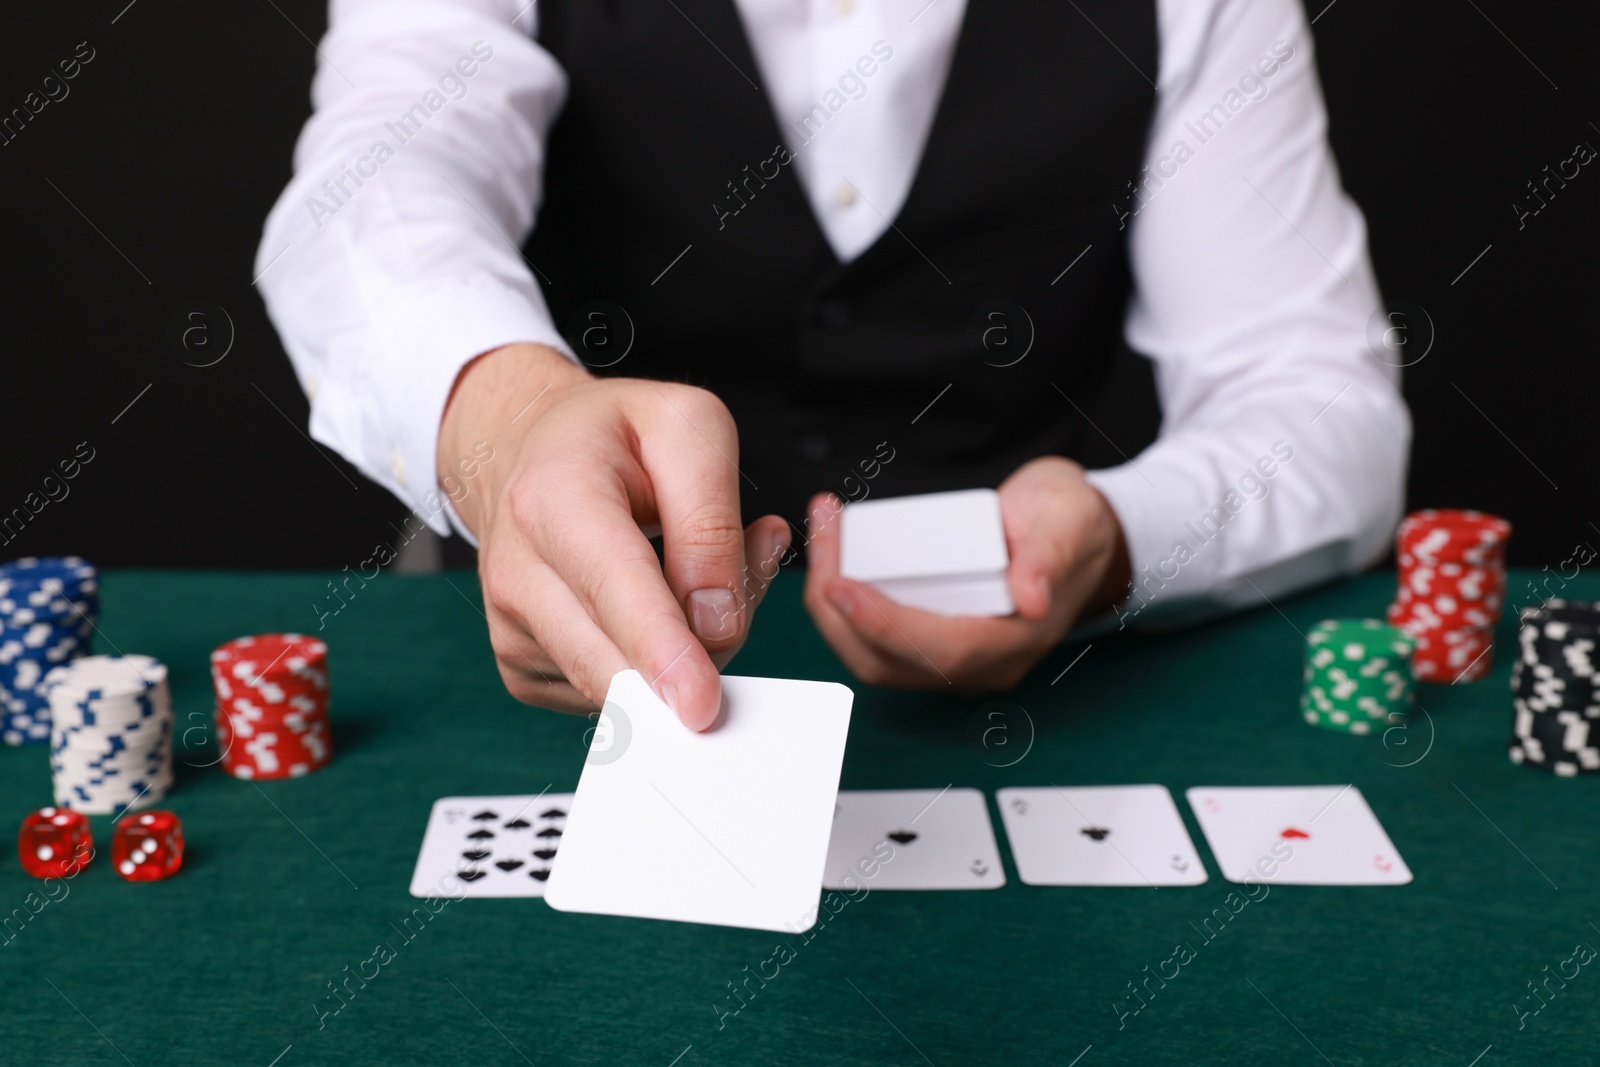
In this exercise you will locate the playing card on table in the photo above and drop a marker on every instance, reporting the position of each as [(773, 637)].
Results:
[(1121, 835), (727, 827), (490, 846), (912, 839), (1297, 835)]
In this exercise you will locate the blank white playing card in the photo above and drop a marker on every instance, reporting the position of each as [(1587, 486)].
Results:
[(1121, 835), (1297, 835), (727, 827), (943, 552), (912, 839), (490, 846)]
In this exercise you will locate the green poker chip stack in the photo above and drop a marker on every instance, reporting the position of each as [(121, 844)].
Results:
[(1358, 675)]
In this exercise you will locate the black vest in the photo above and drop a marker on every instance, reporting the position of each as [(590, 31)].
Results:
[(668, 194)]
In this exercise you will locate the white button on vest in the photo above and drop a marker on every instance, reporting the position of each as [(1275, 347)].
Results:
[(398, 469), (844, 7), (845, 195)]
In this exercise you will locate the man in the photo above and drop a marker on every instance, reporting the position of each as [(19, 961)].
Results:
[(868, 246)]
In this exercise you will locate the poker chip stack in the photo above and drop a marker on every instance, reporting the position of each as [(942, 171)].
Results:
[(1452, 583), (1555, 691), (48, 609), (1358, 675), (110, 733), (272, 705)]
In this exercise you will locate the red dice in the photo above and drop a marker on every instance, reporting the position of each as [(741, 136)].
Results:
[(147, 846), (54, 843)]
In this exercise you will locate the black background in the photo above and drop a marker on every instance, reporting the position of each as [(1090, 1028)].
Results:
[(146, 187)]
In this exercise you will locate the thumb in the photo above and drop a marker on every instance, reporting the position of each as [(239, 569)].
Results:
[(1036, 538), (1065, 539), (1039, 565)]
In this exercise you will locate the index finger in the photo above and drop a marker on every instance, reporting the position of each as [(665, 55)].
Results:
[(692, 459), (598, 550)]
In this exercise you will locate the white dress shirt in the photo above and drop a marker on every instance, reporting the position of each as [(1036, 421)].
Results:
[(386, 271)]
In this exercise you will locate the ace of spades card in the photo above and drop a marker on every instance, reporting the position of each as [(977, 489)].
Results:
[(1122, 835), (912, 839), (490, 846)]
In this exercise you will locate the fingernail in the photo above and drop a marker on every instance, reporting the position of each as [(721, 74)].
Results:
[(712, 614), (780, 545), (1043, 582), (842, 600), (669, 696)]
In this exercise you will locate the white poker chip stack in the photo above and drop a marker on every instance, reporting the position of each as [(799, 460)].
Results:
[(110, 733)]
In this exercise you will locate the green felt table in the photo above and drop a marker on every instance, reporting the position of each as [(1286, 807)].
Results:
[(287, 884)]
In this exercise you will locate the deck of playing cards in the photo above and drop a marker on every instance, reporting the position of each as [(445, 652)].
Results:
[(939, 552), (727, 827)]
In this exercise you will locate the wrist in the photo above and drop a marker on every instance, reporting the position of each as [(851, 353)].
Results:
[(496, 399), (1117, 576)]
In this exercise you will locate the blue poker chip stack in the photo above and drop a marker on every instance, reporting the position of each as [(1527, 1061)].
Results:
[(110, 733), (48, 609)]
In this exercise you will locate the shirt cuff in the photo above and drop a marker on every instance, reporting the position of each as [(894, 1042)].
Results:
[(1152, 518), (433, 329)]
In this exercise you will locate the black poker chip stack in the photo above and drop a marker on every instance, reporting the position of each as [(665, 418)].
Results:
[(1555, 689)]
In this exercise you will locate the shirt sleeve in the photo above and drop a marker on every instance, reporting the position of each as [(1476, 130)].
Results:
[(393, 256), (1282, 453)]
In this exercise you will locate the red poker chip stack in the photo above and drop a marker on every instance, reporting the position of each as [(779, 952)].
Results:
[(272, 705), (1452, 584)]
